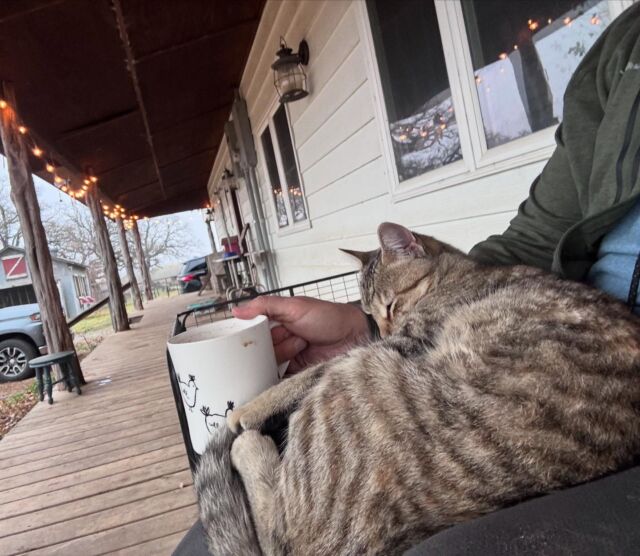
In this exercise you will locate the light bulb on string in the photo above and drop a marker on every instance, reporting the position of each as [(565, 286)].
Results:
[(22, 129), (3, 104), (37, 151), (85, 187), (64, 188), (93, 179), (50, 168), (57, 179), (86, 181)]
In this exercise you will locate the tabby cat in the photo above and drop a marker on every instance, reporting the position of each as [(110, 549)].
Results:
[(490, 385)]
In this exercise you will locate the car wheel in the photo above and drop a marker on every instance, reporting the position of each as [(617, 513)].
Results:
[(15, 355)]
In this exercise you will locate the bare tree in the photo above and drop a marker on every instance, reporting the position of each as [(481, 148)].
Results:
[(10, 233), (164, 238), (72, 236)]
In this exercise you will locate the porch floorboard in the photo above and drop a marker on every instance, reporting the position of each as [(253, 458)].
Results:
[(105, 472)]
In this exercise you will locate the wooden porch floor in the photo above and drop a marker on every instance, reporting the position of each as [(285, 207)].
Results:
[(105, 472)]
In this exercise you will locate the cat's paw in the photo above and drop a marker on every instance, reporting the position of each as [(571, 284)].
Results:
[(244, 418), (251, 450)]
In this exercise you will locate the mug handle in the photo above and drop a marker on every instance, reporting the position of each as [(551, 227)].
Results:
[(282, 368)]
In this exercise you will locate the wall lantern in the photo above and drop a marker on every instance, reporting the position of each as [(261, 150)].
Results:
[(288, 74)]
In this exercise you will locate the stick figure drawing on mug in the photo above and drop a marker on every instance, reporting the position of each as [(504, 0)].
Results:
[(212, 420), (189, 391)]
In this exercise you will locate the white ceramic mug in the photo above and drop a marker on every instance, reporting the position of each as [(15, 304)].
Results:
[(220, 366)]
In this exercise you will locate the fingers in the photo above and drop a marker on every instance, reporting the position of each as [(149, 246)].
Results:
[(274, 307), (289, 348), (279, 334)]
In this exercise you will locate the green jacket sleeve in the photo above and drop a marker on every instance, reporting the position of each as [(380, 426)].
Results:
[(550, 210)]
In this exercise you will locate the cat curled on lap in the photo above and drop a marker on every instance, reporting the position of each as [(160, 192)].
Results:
[(490, 385)]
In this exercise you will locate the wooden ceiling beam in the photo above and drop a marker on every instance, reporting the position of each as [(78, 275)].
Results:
[(131, 65), (22, 13), (196, 40), (92, 126)]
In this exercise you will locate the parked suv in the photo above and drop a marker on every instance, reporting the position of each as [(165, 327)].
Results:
[(21, 339), (190, 274)]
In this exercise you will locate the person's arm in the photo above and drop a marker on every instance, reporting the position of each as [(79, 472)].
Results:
[(311, 330), (550, 210)]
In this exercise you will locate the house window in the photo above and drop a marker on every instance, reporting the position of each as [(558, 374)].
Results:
[(523, 54), (422, 120), (80, 285), (282, 169)]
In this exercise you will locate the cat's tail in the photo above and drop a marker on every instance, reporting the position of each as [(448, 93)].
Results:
[(224, 509)]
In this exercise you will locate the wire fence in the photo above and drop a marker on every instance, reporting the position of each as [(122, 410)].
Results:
[(339, 288)]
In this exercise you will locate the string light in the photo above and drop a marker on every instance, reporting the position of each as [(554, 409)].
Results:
[(567, 20), (64, 185), (503, 56), (533, 25)]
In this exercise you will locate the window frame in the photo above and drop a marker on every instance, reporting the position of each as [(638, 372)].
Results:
[(268, 124), (477, 159)]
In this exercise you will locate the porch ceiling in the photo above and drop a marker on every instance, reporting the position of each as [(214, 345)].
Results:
[(151, 134)]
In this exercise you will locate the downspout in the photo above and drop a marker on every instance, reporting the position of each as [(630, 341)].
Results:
[(245, 160)]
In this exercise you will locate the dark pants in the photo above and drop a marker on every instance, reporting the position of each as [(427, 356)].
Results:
[(598, 518)]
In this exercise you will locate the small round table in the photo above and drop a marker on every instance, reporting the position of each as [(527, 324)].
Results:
[(44, 363)]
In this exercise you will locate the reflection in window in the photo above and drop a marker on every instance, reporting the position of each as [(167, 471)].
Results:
[(289, 166), (414, 79), (523, 55), (274, 178)]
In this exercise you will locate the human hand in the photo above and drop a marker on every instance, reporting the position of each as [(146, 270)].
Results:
[(310, 330)]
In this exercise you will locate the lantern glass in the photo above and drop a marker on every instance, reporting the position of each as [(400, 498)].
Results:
[(290, 81), (289, 77)]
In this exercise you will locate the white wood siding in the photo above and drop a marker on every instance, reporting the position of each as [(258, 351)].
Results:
[(337, 135)]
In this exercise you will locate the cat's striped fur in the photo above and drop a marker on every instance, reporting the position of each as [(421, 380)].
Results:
[(489, 386)]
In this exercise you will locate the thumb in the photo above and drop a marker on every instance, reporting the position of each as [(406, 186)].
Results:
[(272, 306)]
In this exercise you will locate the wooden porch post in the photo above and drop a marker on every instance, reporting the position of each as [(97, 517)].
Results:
[(119, 318), (124, 246), (23, 195), (142, 262)]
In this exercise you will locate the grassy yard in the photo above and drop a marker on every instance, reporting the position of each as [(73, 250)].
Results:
[(16, 399)]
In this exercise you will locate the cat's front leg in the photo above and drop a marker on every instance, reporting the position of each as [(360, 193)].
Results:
[(278, 399)]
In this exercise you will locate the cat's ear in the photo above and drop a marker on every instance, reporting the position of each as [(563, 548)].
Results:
[(397, 240), (363, 256)]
